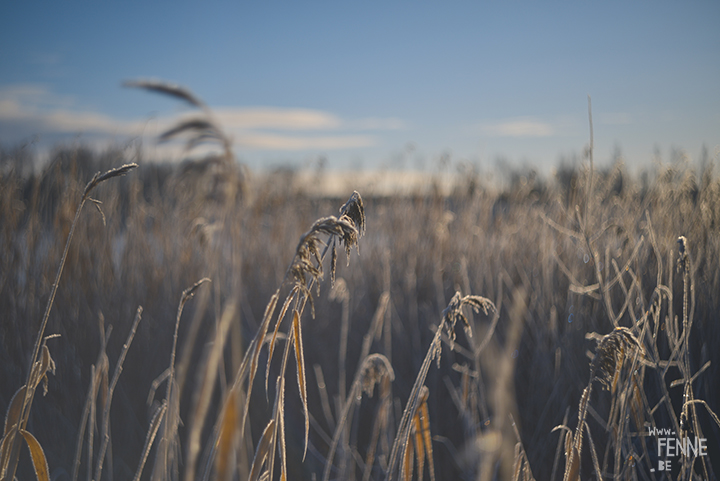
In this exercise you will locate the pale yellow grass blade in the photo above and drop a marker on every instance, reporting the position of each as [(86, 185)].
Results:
[(259, 337), (407, 465), (38, 456), (302, 385), (228, 429), (262, 450), (419, 446), (425, 426), (271, 347)]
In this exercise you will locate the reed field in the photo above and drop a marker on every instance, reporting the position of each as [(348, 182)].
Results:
[(200, 321)]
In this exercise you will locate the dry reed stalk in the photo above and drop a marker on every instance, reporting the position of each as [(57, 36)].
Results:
[(206, 381), (262, 450), (340, 293), (375, 369), (167, 451), (111, 390), (155, 423), (201, 129), (605, 368), (380, 426), (451, 315), (324, 398), (522, 464), (304, 271), (10, 453)]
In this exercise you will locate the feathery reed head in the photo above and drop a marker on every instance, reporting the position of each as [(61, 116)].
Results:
[(375, 369), (197, 129), (355, 211), (99, 178), (166, 88), (347, 229), (453, 313), (610, 355)]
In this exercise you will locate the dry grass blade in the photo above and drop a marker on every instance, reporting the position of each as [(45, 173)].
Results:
[(450, 317), (187, 294), (300, 361), (407, 464), (111, 390), (419, 445), (593, 453), (90, 398), (203, 395), (380, 425), (271, 346), (167, 452), (261, 451), (166, 88), (5, 446), (226, 438), (710, 411), (200, 125), (572, 472), (254, 352), (14, 410), (573, 447), (374, 369), (29, 393), (421, 440), (38, 456), (425, 426), (150, 437), (324, 398)]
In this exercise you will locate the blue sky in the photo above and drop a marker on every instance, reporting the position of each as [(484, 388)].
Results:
[(371, 84)]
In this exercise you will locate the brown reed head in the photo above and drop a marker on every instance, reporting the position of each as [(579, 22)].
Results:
[(610, 354)]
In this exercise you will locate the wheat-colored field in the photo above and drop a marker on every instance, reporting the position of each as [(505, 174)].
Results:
[(202, 322)]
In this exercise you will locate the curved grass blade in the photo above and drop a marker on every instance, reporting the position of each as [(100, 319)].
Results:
[(254, 350), (271, 347), (166, 88), (425, 426), (38, 456), (302, 385), (13, 413), (262, 450), (228, 426), (200, 124)]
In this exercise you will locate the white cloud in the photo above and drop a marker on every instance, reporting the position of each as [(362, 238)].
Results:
[(523, 127), (26, 110), (277, 118), (260, 141), (34, 107)]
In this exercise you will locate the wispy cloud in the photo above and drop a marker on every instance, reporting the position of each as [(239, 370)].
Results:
[(521, 127), (277, 118), (27, 110), (261, 141), (36, 110)]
